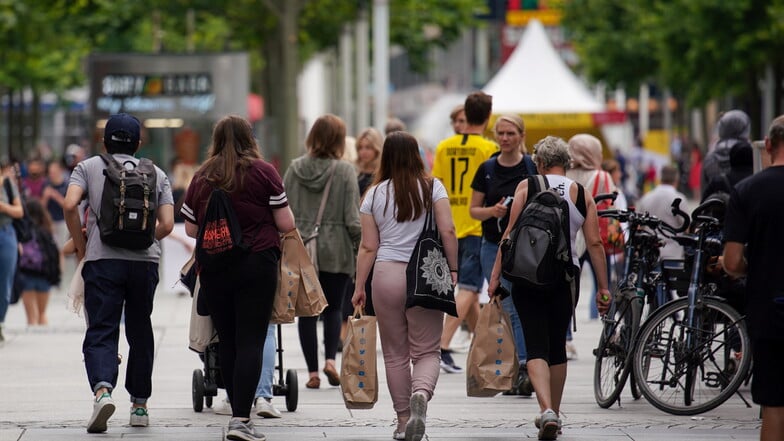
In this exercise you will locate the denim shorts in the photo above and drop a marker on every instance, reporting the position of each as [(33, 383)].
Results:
[(469, 276), (34, 283)]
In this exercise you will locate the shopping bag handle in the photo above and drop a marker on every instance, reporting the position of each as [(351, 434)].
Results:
[(358, 312)]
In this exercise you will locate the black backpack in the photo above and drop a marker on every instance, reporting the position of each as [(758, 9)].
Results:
[(219, 241), (128, 204), (538, 252)]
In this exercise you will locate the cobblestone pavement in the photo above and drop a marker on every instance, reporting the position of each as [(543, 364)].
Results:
[(44, 395)]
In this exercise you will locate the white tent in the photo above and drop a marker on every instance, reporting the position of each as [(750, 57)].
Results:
[(536, 80)]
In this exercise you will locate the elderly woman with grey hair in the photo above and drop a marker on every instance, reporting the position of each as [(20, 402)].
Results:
[(545, 315)]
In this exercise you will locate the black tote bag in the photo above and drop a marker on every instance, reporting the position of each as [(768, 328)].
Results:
[(428, 280)]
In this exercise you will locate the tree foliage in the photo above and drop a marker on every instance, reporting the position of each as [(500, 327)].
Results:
[(701, 49)]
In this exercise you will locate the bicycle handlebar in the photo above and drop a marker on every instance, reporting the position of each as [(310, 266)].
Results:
[(648, 220), (676, 210), (604, 196)]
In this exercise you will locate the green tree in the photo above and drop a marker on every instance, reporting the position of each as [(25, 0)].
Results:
[(701, 49), (43, 42)]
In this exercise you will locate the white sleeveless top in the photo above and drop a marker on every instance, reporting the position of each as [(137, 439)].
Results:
[(576, 220)]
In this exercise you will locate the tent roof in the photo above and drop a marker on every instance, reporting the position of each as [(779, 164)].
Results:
[(536, 80)]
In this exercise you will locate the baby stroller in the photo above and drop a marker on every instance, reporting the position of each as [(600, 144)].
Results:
[(206, 382)]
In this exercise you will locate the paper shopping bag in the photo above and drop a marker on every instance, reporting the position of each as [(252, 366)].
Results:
[(358, 370), (492, 358), (288, 279), (310, 301)]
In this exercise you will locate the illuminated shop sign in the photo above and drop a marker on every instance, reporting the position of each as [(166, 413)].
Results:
[(156, 92)]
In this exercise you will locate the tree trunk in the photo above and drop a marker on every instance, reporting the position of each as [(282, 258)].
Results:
[(290, 70)]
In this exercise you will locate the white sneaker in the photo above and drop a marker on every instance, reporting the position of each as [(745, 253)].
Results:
[(223, 408), (415, 428), (103, 408), (139, 417), (548, 425), (265, 409)]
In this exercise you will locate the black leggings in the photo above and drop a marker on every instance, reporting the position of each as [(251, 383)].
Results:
[(334, 286), (239, 300), (545, 316)]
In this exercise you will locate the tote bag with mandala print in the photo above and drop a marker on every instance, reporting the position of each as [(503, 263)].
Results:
[(428, 281)]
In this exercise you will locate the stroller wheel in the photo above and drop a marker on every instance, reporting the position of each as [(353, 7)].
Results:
[(197, 390), (208, 401), (292, 393)]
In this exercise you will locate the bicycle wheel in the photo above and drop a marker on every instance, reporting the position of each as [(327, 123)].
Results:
[(689, 380), (616, 342)]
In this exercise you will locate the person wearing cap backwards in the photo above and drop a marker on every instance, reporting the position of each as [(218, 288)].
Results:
[(116, 280)]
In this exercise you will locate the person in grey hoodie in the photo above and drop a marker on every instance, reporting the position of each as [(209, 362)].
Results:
[(339, 232), (734, 127)]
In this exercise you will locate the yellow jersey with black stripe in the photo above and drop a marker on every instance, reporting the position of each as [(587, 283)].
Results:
[(456, 161)]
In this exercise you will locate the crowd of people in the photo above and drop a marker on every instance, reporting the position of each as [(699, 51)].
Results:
[(476, 189)]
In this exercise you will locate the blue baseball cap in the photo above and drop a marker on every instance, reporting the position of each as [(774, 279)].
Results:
[(122, 127)]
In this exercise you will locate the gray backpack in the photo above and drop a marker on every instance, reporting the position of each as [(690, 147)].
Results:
[(538, 252)]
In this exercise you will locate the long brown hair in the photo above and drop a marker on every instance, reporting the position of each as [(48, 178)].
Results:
[(402, 165), (39, 215), (231, 154)]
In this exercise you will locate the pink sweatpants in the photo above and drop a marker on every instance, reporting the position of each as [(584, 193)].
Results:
[(408, 336)]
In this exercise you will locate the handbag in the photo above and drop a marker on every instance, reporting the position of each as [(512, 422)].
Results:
[(428, 279), (492, 364), (610, 229), (358, 369), (311, 242), (24, 225)]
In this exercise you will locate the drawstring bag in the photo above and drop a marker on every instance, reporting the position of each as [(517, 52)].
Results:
[(428, 279)]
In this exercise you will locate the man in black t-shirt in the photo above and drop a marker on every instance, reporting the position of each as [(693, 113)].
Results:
[(754, 244)]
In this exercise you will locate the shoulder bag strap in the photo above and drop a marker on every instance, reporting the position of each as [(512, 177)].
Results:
[(8, 192), (324, 196), (530, 167)]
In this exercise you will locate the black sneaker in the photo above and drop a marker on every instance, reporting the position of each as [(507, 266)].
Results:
[(448, 363)]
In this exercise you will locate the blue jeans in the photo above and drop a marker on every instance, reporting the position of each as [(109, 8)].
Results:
[(264, 389), (8, 258), (111, 287), (487, 255), (469, 276)]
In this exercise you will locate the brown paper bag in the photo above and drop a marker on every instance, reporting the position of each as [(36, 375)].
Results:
[(299, 290), (288, 280), (358, 370), (492, 358)]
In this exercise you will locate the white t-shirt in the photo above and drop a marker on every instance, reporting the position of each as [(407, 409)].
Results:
[(561, 184), (397, 239)]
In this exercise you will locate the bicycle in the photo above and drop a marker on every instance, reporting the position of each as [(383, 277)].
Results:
[(694, 352), (637, 287)]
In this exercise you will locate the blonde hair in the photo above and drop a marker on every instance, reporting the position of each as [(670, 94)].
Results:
[(374, 140), (514, 120)]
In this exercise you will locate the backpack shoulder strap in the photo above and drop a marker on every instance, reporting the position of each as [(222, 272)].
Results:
[(536, 183), (110, 161), (530, 167), (490, 167), (581, 206)]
